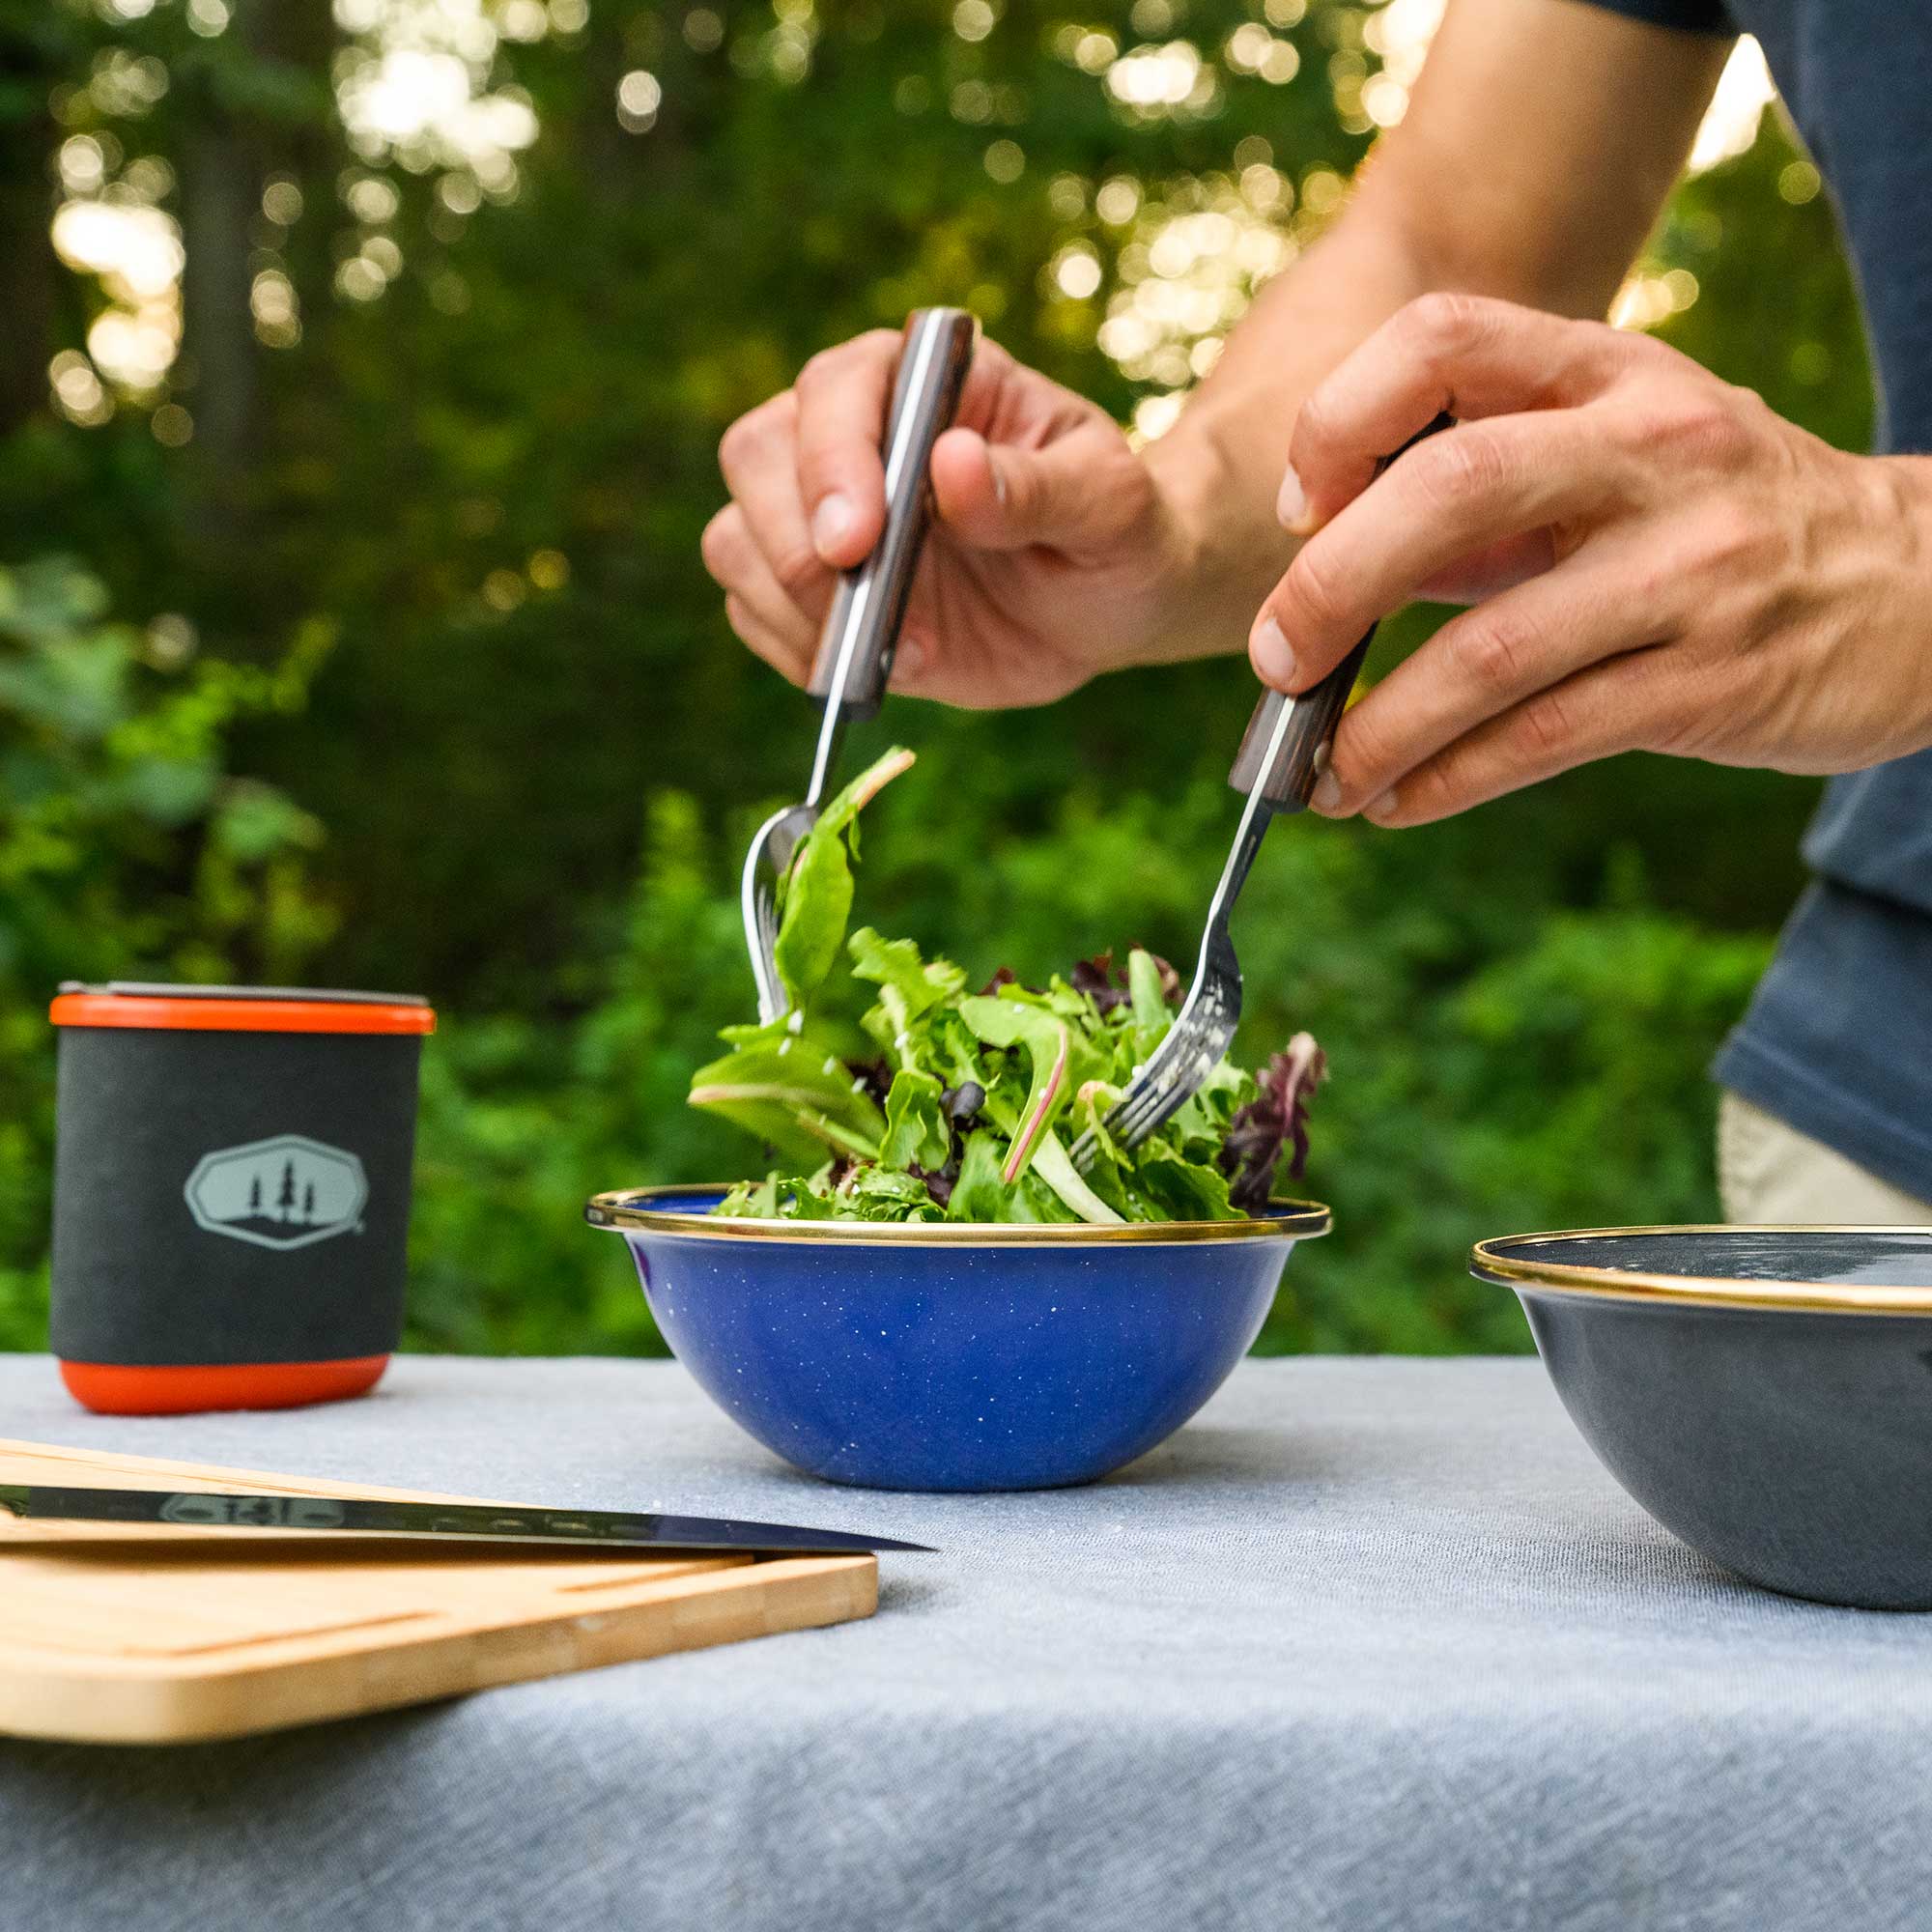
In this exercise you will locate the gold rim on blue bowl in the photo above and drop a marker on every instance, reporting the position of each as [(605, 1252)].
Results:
[(634, 1210), (1492, 1260)]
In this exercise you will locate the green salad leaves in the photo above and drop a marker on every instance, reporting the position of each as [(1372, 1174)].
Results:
[(940, 1104)]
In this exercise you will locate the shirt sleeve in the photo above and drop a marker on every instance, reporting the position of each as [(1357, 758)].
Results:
[(1695, 17)]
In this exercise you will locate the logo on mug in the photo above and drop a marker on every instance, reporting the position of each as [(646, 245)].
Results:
[(288, 1192)]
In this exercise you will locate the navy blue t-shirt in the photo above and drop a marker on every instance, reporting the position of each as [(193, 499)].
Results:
[(1838, 1038)]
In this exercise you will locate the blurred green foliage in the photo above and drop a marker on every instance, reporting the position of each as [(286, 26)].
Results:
[(426, 686), (125, 847)]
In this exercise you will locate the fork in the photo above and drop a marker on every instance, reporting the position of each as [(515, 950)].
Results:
[(1280, 758), (861, 631)]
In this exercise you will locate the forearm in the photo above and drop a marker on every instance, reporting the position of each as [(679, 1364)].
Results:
[(1539, 196), (1220, 467), (1222, 463)]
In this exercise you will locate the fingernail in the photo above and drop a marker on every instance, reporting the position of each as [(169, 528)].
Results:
[(1000, 485), (1328, 794), (1384, 807), (910, 659), (1273, 656), (831, 522), (1290, 506)]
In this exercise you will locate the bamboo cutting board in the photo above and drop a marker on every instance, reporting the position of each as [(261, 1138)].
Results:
[(163, 1632)]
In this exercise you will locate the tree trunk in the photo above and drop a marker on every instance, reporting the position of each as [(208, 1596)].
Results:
[(28, 293), (225, 160), (220, 182)]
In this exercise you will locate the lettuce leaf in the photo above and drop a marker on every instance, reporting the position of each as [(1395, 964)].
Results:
[(815, 895), (917, 1131), (950, 1105), (799, 1103)]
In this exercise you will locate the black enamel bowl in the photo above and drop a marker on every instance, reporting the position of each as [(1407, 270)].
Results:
[(1764, 1393)]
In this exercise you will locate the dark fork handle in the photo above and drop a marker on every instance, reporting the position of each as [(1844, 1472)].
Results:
[(862, 629), (1316, 711)]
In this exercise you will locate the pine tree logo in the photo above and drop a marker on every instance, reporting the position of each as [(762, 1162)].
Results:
[(287, 1192)]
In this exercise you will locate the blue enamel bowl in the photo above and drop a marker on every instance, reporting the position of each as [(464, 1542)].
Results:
[(953, 1357)]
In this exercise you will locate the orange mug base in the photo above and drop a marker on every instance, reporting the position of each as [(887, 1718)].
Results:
[(109, 1389)]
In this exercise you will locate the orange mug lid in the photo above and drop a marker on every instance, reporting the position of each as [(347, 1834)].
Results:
[(194, 1009)]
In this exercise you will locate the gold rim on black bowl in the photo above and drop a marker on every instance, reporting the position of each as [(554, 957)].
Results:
[(633, 1209), (1492, 1260)]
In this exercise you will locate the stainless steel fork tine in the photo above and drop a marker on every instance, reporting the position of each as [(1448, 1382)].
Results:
[(1155, 1108), (1146, 1114)]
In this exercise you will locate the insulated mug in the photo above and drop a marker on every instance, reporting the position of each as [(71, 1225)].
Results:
[(232, 1174)]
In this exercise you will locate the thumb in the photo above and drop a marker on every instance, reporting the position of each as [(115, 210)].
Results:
[(1001, 496)]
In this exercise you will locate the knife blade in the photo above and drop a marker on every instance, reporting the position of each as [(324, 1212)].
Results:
[(469, 1522)]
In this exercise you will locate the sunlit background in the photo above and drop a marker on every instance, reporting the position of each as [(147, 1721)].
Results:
[(425, 87), (359, 390)]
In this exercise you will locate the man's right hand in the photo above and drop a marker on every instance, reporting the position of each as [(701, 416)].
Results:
[(1054, 554)]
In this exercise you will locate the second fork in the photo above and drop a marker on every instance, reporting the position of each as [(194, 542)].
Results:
[(1277, 765)]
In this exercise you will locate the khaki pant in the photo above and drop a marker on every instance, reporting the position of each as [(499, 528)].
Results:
[(1770, 1172)]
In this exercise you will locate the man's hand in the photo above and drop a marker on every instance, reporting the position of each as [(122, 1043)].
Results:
[(1052, 555), (1663, 564)]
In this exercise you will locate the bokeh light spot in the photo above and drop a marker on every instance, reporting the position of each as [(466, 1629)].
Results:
[(171, 425), (282, 201), (1730, 122), (503, 590), (1006, 161), (639, 98), (1798, 182)]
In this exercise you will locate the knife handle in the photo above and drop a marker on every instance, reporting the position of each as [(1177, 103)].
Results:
[(862, 629), (1280, 759)]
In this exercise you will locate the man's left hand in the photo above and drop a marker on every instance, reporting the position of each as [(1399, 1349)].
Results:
[(1657, 561)]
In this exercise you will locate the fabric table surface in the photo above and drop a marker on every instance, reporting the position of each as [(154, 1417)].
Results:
[(1373, 1643)]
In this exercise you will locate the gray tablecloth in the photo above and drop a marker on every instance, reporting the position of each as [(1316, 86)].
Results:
[(1372, 1645)]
